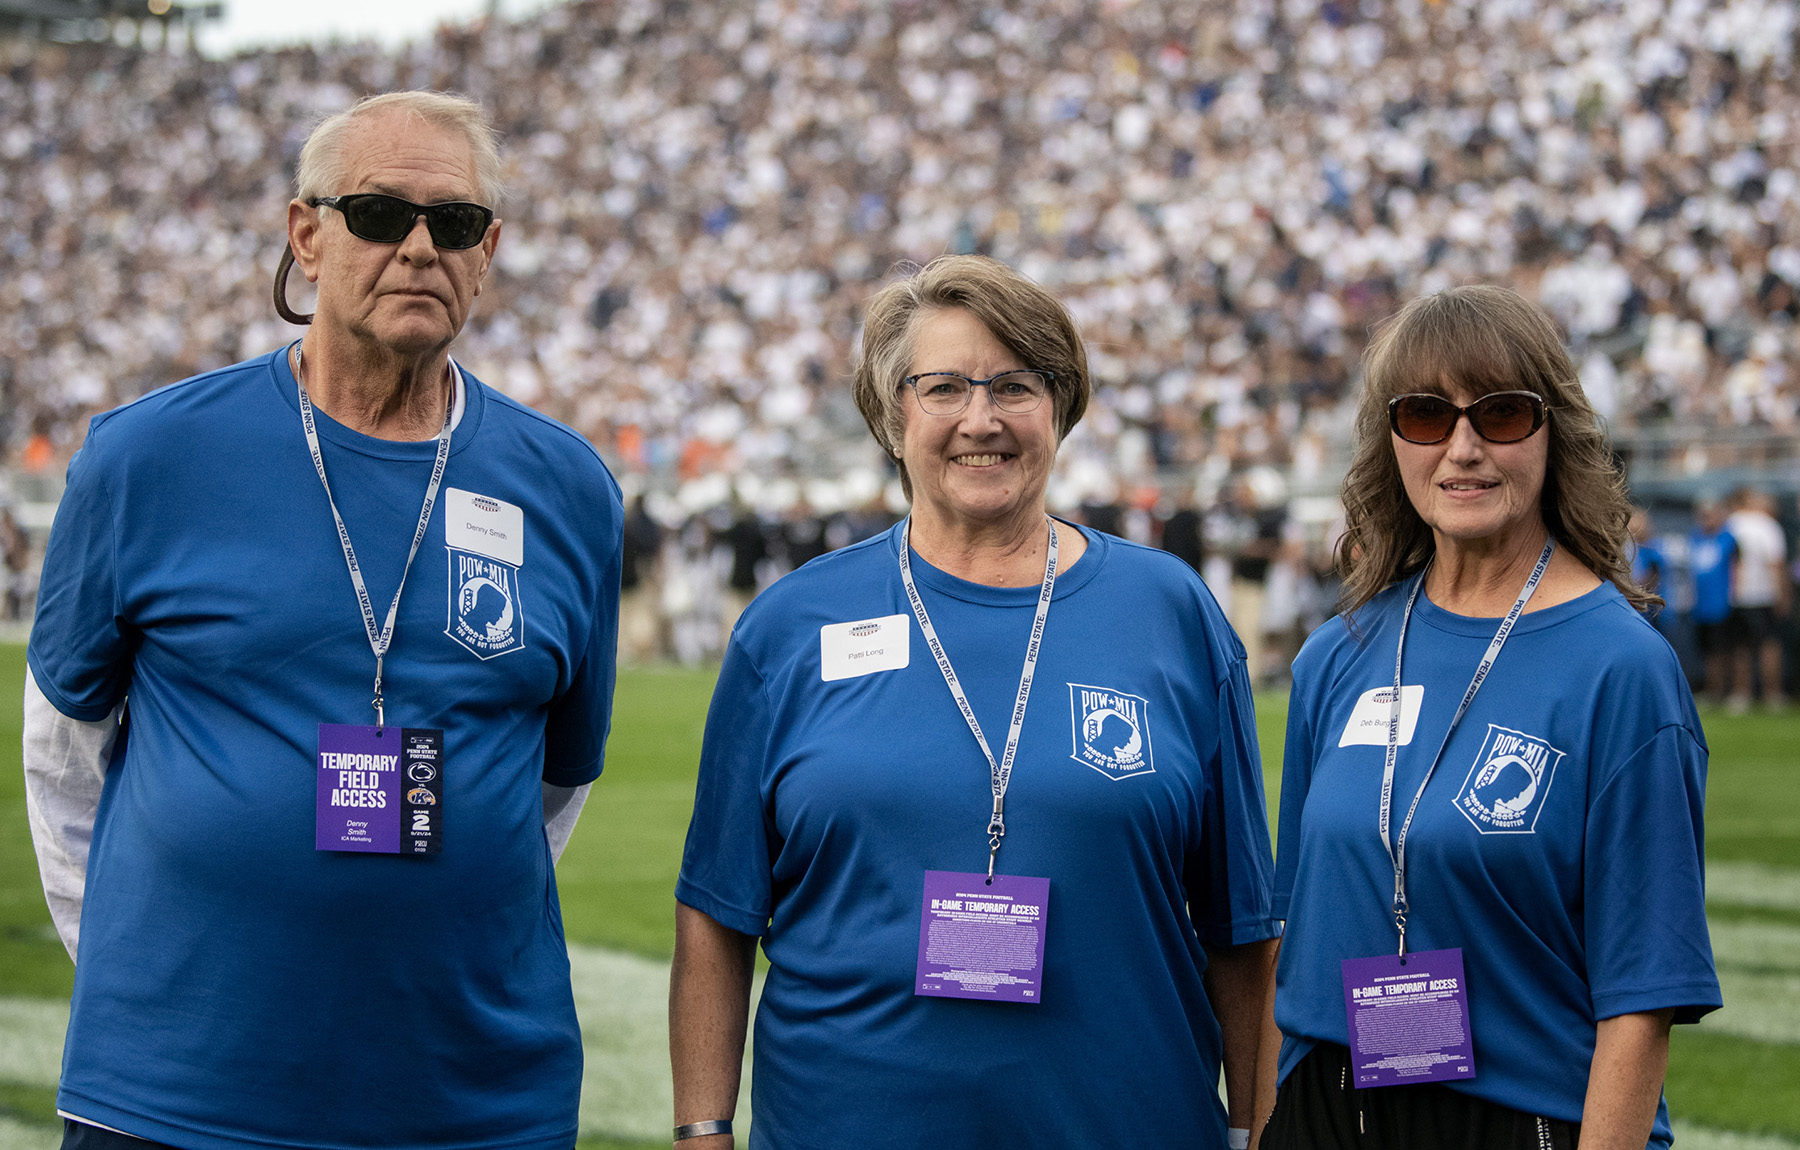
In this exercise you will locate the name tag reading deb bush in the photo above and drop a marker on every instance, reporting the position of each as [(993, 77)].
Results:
[(381, 789)]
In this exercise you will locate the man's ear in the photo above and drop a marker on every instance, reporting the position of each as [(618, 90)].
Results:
[(488, 243), (303, 227)]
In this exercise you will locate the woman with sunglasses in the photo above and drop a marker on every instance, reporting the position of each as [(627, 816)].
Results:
[(986, 787), (1490, 838)]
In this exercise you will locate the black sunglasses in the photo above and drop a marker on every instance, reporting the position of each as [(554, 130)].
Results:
[(383, 219), (1503, 417)]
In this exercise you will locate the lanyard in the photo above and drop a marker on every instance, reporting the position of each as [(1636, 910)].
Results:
[(1397, 848), (379, 641), (1001, 772)]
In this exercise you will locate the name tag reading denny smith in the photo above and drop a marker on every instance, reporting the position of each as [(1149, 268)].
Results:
[(847, 650)]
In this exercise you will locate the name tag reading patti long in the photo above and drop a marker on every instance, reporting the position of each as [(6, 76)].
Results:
[(1408, 1023), (381, 789), (850, 650), (978, 940)]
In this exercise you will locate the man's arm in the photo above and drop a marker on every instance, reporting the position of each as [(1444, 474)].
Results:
[(65, 769), (1239, 981), (562, 806), (709, 1010), (1631, 1056)]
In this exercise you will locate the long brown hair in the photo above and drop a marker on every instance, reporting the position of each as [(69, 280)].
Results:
[(1479, 339)]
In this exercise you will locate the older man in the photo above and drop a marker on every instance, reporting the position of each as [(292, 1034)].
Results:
[(360, 611)]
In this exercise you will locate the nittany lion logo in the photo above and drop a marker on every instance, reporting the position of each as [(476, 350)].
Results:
[(1508, 782), (485, 613), (1111, 731)]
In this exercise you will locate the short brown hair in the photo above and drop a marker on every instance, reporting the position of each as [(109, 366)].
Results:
[(1479, 339), (1027, 320)]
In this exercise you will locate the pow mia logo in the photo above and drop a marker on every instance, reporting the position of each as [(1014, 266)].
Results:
[(1111, 731), (1508, 782), (485, 613)]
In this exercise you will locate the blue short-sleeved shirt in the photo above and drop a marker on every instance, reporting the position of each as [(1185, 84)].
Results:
[(236, 986), (1710, 557), (1558, 843), (821, 805)]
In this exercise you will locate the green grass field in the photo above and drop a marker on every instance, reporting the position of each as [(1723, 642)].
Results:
[(1733, 1078)]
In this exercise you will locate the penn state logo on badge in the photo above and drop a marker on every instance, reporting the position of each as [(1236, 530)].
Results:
[(485, 539), (1507, 784), (1111, 731)]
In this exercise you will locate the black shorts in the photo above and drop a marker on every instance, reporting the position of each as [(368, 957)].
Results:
[(1318, 1109), (81, 1136), (1715, 638), (1753, 626)]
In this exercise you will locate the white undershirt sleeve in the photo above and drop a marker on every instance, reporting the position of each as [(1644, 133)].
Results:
[(562, 806), (65, 768)]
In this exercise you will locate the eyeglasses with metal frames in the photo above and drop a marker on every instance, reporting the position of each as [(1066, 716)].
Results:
[(455, 225), (1501, 417), (949, 393)]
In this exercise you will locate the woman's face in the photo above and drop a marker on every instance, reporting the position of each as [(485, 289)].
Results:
[(983, 466), (1468, 490)]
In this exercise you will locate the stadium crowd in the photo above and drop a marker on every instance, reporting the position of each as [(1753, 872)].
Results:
[(702, 195)]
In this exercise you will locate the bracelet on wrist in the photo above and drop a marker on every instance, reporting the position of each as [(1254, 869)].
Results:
[(702, 1129)]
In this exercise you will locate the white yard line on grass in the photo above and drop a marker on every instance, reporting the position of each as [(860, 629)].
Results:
[(622, 1001), (31, 1042), (1753, 884), (1691, 1137), (19, 1136)]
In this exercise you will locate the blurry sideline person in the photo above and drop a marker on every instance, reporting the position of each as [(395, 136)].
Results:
[(1648, 564), (747, 543), (1543, 919), (1760, 598), (1181, 533), (312, 888), (15, 558), (1712, 566), (1086, 989), (640, 627)]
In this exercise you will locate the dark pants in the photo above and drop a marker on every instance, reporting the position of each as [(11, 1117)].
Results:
[(81, 1136), (1318, 1109)]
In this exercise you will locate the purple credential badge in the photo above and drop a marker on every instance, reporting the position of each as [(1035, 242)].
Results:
[(1408, 1023), (978, 940), (359, 788)]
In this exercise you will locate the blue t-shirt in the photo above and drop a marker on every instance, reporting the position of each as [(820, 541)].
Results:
[(822, 804), (237, 987), (1710, 558), (1558, 844)]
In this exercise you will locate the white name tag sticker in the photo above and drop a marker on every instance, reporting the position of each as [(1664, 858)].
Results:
[(1368, 725), (484, 525), (848, 650)]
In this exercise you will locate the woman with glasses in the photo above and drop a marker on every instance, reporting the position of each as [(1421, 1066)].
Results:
[(987, 789), (1490, 838)]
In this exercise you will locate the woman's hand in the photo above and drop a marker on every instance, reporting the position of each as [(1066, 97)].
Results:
[(1631, 1056), (709, 1010)]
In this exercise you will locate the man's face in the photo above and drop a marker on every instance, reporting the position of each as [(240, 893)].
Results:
[(408, 298)]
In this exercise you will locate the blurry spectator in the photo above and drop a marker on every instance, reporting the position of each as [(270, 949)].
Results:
[(1760, 598), (15, 558), (639, 595), (1181, 530), (1712, 556), (746, 541), (1226, 195), (1647, 562), (803, 536)]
